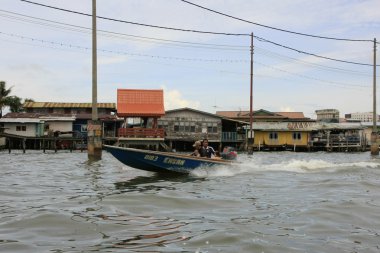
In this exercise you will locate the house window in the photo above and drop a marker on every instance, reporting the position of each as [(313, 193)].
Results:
[(212, 127), (192, 127), (162, 124), (273, 136), (67, 110), (296, 136), (176, 127), (50, 110), (187, 126), (88, 110), (182, 126), (21, 128)]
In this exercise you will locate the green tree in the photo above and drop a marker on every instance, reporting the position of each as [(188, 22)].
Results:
[(14, 103), (4, 93)]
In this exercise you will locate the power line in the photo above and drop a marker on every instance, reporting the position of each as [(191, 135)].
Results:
[(274, 28), (136, 23), (50, 43), (197, 31), (124, 53), (76, 28), (311, 78), (312, 54), (31, 19), (316, 65)]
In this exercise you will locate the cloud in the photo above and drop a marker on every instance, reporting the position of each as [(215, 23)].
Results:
[(286, 109), (173, 100)]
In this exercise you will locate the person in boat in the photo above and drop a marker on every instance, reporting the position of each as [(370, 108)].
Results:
[(206, 150), (197, 146)]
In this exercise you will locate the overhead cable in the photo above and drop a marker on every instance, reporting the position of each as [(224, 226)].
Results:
[(136, 23), (52, 43), (76, 28), (123, 52), (274, 28), (319, 56), (197, 31)]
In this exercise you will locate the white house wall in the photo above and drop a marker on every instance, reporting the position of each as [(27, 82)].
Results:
[(30, 129)]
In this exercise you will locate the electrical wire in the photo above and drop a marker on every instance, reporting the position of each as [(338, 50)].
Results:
[(197, 31), (124, 53), (311, 78), (312, 54), (70, 46), (272, 54), (136, 23), (76, 28), (274, 28)]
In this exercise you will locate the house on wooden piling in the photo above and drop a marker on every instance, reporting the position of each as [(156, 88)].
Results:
[(306, 136), (17, 124), (81, 112), (35, 130), (140, 110), (294, 131), (184, 126)]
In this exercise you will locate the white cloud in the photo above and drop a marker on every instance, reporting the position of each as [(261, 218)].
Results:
[(173, 100), (286, 109)]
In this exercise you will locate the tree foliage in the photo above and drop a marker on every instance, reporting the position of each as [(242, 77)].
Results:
[(4, 93), (13, 102)]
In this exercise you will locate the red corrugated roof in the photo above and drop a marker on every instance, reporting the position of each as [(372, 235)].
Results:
[(292, 115), (66, 105), (140, 103)]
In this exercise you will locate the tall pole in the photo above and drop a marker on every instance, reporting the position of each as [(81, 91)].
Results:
[(94, 126), (374, 145), (94, 65), (250, 138)]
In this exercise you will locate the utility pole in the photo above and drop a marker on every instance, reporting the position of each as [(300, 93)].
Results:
[(250, 135), (374, 144), (94, 126)]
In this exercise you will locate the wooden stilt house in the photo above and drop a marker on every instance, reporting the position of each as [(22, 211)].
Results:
[(141, 110)]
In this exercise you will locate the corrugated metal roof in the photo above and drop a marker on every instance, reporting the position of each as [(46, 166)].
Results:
[(61, 116), (140, 103), (302, 126), (240, 114), (20, 120), (292, 115), (67, 105)]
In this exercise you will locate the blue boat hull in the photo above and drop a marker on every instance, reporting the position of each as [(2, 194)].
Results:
[(161, 161)]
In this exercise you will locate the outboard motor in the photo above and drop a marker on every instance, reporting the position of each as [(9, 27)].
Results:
[(229, 153)]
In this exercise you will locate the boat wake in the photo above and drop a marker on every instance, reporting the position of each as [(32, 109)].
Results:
[(295, 165)]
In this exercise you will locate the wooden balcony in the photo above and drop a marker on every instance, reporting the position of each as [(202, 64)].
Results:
[(138, 132)]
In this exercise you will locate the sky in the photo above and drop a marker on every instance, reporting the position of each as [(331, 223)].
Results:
[(46, 53)]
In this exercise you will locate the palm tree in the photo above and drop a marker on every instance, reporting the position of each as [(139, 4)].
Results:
[(4, 93), (14, 103)]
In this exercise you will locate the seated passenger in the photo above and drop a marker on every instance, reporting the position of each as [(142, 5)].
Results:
[(206, 150), (197, 146)]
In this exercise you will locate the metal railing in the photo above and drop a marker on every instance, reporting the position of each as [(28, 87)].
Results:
[(232, 137), (141, 132)]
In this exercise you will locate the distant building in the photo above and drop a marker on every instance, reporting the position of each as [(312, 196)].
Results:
[(184, 126), (54, 114), (264, 116), (361, 116), (28, 127), (67, 108), (328, 115)]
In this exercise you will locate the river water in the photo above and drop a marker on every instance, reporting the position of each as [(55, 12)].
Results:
[(270, 202)]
